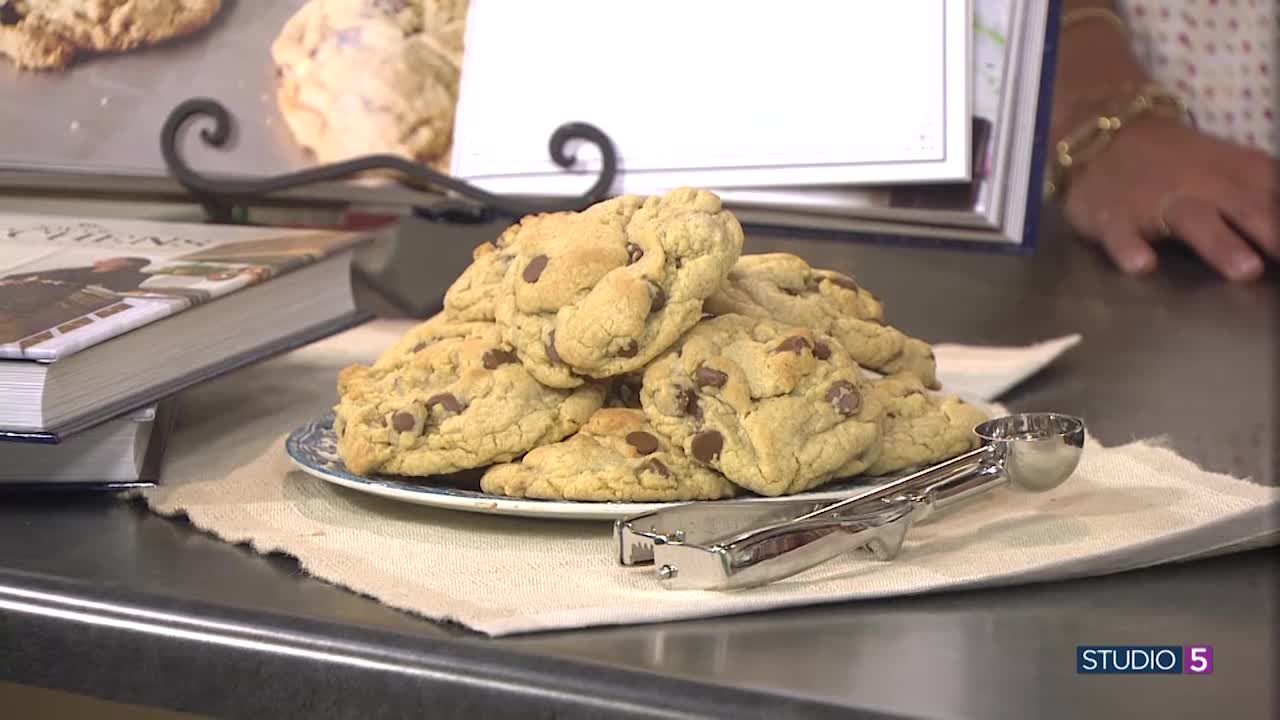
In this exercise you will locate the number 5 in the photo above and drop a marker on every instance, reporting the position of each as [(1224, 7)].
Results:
[(1199, 660)]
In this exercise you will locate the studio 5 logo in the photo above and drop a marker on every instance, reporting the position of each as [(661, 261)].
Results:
[(1145, 659)]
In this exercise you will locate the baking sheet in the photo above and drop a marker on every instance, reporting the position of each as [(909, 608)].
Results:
[(96, 124)]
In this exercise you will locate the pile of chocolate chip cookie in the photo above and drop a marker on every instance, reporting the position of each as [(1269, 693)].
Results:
[(631, 353)]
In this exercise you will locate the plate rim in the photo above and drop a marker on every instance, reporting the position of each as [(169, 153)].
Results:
[(428, 496)]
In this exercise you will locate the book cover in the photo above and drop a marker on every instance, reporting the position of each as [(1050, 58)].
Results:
[(67, 284)]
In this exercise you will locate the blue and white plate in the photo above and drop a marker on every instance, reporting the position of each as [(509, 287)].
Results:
[(314, 449)]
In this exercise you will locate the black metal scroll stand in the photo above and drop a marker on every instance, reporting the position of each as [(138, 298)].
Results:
[(219, 196)]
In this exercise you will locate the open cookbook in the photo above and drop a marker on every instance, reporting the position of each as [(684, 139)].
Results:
[(915, 119)]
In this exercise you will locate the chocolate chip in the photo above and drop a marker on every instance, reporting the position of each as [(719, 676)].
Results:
[(706, 376), (844, 281), (821, 350), (498, 357), (795, 344), (679, 263), (9, 13), (534, 269), (634, 253), (402, 421), (659, 300), (844, 397), (446, 401), (931, 355), (630, 350), (706, 445), (656, 466), (552, 355), (643, 442), (688, 401)]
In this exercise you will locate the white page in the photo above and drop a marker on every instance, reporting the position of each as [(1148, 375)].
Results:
[(717, 92)]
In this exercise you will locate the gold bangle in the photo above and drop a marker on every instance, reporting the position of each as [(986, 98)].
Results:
[(1079, 15), (1090, 138)]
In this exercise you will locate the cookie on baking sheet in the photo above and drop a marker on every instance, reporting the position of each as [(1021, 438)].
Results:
[(615, 457), (359, 77), (474, 294), (456, 403), (601, 292), (48, 34), (775, 408), (920, 427), (783, 287)]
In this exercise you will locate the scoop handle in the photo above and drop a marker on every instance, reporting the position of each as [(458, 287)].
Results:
[(877, 520)]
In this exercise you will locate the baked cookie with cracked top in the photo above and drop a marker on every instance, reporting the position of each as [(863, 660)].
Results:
[(775, 408), (456, 403), (601, 292), (785, 288), (921, 428), (359, 77), (49, 34), (474, 294), (616, 457), (430, 331)]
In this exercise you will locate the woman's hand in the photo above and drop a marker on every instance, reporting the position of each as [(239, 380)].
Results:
[(1161, 179)]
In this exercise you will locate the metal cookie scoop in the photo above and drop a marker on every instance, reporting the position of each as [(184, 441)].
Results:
[(745, 543)]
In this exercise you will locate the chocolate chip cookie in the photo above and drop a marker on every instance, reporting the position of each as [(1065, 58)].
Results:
[(921, 428), (775, 408), (49, 34), (783, 287), (474, 294), (434, 329), (456, 403), (602, 292), (357, 77), (616, 457)]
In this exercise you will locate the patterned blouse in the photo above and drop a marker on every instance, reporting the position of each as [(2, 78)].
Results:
[(1218, 56)]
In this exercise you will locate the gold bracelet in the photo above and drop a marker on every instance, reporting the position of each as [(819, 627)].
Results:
[(1079, 15), (1089, 139)]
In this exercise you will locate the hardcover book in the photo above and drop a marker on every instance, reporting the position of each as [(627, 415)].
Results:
[(99, 315)]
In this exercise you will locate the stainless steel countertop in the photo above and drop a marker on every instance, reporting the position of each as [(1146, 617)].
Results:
[(100, 597)]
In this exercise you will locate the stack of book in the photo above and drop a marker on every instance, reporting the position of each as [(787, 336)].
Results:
[(104, 322)]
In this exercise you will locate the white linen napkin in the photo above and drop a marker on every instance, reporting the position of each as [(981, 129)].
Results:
[(1126, 507), (985, 373)]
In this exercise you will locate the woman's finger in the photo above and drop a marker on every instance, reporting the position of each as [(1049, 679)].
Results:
[(1199, 225), (1255, 214), (1128, 249)]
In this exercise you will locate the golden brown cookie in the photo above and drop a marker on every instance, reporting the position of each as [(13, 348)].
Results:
[(783, 287), (602, 292), (921, 428), (616, 457), (474, 294), (451, 403), (776, 409)]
